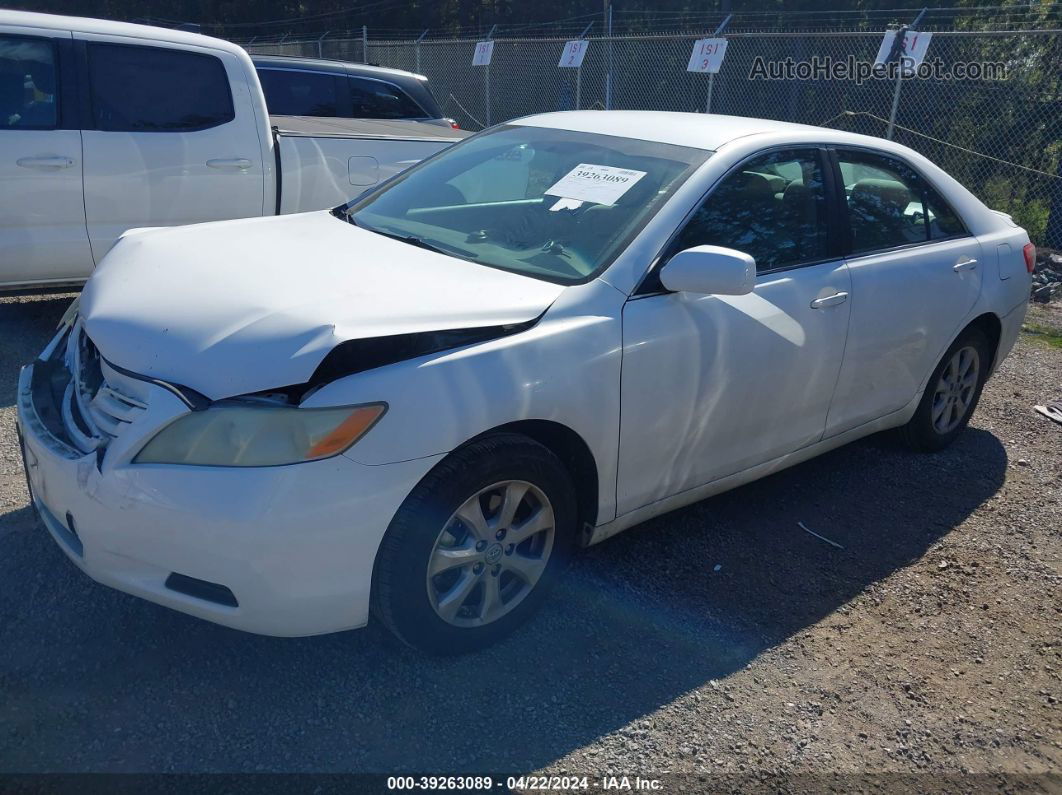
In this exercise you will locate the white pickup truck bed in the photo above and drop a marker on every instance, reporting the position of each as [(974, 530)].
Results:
[(107, 126), (325, 162)]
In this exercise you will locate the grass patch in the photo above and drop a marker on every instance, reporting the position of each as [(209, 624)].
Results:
[(1046, 335)]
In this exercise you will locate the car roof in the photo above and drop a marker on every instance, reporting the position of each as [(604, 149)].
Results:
[(696, 130), (333, 66), (31, 19)]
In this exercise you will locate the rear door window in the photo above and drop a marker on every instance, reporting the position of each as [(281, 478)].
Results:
[(297, 93), (944, 222), (27, 84), (378, 99), (886, 202), (156, 89), (890, 205)]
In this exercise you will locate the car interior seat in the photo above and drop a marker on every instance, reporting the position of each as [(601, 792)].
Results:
[(876, 208)]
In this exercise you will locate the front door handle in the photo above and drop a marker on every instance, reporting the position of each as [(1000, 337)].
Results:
[(829, 300), (241, 163), (965, 264), (50, 163)]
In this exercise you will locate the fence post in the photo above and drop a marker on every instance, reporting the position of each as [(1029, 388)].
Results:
[(899, 44), (416, 49), (608, 66), (486, 77), (711, 77), (579, 70), (364, 43), (320, 44)]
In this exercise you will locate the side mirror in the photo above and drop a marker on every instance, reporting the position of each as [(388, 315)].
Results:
[(711, 270)]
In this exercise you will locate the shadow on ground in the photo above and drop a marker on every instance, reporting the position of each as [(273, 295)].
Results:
[(95, 680), (25, 328)]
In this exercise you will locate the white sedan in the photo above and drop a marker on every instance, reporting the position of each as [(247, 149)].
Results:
[(414, 406)]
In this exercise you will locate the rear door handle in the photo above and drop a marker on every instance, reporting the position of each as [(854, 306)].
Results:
[(54, 162), (965, 264), (230, 162), (829, 300)]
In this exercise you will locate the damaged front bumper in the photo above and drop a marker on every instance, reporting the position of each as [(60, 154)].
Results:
[(284, 550)]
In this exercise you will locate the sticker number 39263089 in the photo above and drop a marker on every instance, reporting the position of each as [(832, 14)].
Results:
[(598, 184)]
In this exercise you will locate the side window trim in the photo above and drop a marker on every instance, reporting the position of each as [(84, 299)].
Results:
[(89, 113), (835, 229), (83, 109), (925, 185)]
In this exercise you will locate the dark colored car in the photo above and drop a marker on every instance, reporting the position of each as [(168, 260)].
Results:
[(339, 89)]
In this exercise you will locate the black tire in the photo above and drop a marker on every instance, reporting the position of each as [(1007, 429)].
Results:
[(400, 591), (920, 433)]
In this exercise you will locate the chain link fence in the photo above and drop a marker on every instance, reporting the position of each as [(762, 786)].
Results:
[(1002, 138)]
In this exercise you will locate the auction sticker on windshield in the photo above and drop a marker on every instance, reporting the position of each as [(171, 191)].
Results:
[(598, 184)]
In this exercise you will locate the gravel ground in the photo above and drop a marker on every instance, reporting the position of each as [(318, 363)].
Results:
[(719, 639)]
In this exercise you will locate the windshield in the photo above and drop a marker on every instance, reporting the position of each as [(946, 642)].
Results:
[(547, 203)]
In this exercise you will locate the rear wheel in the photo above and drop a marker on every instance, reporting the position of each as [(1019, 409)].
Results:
[(951, 395), (472, 550)]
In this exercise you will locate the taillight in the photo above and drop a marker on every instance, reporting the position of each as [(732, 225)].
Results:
[(1030, 257), (455, 125)]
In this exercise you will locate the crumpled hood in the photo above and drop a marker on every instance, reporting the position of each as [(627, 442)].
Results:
[(235, 307)]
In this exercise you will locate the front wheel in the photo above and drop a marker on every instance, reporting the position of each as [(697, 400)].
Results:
[(474, 547), (951, 395)]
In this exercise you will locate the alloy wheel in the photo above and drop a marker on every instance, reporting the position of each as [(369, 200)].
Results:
[(955, 390), (491, 553)]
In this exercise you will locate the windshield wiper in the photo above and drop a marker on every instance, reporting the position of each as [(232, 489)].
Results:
[(343, 214), (413, 240)]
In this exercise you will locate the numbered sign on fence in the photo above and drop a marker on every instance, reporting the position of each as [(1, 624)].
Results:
[(574, 52), (484, 50), (707, 55), (915, 44)]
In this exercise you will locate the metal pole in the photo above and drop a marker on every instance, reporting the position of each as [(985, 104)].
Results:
[(895, 104), (320, 44), (711, 76), (416, 48), (899, 45), (579, 71), (364, 43), (608, 73), (486, 78)]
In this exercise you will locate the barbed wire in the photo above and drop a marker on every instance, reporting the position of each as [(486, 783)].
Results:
[(639, 22)]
